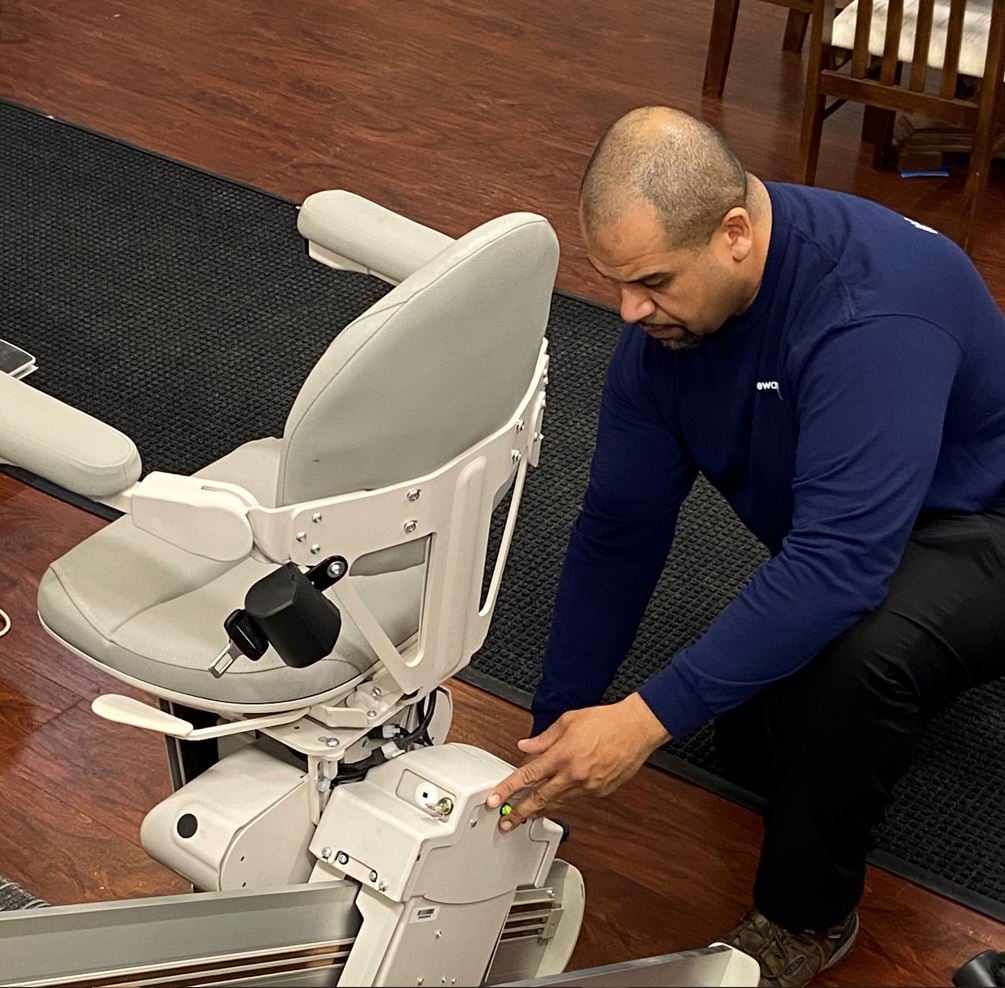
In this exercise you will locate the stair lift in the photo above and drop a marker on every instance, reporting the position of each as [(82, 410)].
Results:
[(295, 608)]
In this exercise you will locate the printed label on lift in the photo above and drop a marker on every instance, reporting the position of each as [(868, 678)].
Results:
[(424, 913)]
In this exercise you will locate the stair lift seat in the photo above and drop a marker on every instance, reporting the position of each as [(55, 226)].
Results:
[(429, 370)]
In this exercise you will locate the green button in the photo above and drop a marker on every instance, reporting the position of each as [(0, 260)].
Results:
[(505, 809)]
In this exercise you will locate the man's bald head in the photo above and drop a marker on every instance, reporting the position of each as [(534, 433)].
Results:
[(665, 157)]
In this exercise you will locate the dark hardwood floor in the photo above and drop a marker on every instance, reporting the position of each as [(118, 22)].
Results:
[(449, 111)]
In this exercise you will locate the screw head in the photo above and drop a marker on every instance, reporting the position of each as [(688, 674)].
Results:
[(438, 934), (414, 494), (336, 569), (315, 549), (326, 853), (516, 456), (382, 887), (342, 858), (373, 876), (316, 517), (329, 742), (371, 713), (410, 526), (376, 692), (301, 536), (521, 425)]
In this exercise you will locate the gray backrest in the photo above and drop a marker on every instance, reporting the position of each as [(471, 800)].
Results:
[(436, 365)]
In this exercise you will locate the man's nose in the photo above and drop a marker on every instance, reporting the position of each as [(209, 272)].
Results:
[(636, 305)]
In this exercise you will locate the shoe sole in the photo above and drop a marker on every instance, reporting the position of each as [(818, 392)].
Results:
[(842, 952)]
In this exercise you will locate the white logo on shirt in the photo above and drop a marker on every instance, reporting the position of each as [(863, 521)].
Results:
[(921, 226), (767, 386)]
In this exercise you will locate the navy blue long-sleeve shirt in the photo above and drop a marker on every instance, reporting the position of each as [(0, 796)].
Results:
[(865, 385)]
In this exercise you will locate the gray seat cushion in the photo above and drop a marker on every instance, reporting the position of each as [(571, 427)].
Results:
[(153, 613)]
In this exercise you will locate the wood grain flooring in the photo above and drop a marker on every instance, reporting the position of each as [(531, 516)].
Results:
[(450, 111)]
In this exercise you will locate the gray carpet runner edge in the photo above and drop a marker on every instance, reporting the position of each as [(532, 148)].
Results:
[(14, 896), (167, 311)]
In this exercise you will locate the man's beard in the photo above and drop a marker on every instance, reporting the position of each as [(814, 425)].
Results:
[(690, 341)]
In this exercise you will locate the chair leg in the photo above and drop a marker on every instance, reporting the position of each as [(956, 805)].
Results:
[(720, 45), (809, 141), (814, 101), (795, 30), (981, 158), (877, 129)]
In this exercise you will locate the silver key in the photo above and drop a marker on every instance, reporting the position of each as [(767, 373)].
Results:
[(225, 659)]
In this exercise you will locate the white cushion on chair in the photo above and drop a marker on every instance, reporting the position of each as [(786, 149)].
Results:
[(143, 608), (973, 50)]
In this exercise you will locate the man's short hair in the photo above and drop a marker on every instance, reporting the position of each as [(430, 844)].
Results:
[(678, 164)]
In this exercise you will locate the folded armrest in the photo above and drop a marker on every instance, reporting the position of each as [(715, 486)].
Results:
[(349, 232), (66, 446)]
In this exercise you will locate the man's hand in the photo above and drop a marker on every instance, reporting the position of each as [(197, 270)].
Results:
[(585, 752)]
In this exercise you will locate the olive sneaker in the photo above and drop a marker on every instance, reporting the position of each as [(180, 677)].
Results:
[(790, 959)]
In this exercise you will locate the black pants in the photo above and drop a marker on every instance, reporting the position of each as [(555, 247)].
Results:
[(827, 744)]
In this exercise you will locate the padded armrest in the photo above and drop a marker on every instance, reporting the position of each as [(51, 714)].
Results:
[(66, 446), (349, 232)]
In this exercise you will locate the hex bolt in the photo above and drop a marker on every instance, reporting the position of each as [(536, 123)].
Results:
[(301, 536), (410, 526), (342, 858), (414, 494), (316, 517), (326, 853)]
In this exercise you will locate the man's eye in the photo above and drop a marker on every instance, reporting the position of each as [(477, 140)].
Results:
[(658, 283)]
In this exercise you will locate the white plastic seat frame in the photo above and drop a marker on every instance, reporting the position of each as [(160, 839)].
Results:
[(451, 508)]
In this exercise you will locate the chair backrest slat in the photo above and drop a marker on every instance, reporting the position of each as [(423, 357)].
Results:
[(891, 44), (922, 41), (863, 27), (954, 39)]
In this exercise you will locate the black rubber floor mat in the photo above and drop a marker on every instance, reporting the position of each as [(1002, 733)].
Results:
[(14, 896), (181, 308)]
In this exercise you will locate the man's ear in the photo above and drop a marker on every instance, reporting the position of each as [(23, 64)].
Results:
[(737, 231)]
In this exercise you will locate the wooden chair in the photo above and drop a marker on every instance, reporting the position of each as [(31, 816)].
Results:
[(720, 41), (957, 37)]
